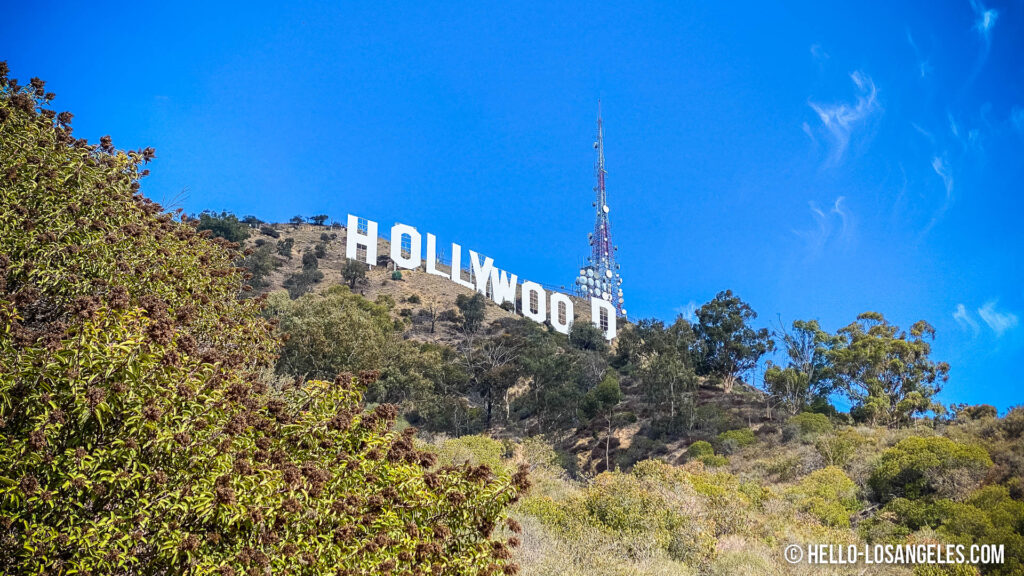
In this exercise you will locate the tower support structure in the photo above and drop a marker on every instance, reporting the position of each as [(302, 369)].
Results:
[(600, 277)]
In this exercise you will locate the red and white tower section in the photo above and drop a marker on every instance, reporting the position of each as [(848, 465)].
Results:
[(599, 277)]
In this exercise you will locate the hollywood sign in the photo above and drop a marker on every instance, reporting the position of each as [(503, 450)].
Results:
[(538, 304)]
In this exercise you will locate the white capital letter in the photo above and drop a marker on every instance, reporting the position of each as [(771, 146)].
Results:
[(559, 300), (481, 273), (397, 232), (432, 256), (598, 305), (529, 289), (354, 238), (457, 267), (503, 288)]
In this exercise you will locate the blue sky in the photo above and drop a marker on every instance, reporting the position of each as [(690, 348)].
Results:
[(819, 160)]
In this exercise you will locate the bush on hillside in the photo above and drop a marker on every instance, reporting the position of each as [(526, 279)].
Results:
[(919, 467), (827, 494), (713, 460), (136, 436), (700, 448), (806, 427), (837, 449), (732, 440)]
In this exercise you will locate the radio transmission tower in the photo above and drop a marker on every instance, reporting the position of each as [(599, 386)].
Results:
[(600, 278)]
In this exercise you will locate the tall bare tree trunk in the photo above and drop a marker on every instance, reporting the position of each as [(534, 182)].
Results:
[(728, 382)]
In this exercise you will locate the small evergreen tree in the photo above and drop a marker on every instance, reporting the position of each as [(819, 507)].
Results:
[(353, 271)]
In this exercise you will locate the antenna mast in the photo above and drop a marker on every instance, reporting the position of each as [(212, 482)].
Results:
[(600, 277)]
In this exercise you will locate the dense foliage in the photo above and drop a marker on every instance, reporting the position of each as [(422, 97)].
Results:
[(224, 225), (137, 433)]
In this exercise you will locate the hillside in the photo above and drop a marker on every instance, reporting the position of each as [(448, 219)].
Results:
[(416, 292)]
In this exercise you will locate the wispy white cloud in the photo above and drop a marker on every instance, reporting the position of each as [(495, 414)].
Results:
[(689, 311), (942, 168), (985, 20), (836, 224), (818, 53), (998, 321), (844, 217), (839, 120), (807, 130), (924, 68), (923, 132), (965, 320)]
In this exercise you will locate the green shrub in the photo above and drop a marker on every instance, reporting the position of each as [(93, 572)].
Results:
[(807, 426), (622, 502), (136, 435), (917, 467), (700, 448), (838, 449), (396, 275), (475, 450), (284, 247), (332, 332), (732, 440), (829, 495), (1013, 423), (413, 299), (713, 460)]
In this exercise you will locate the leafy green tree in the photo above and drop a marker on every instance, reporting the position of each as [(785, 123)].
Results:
[(258, 264), (489, 362), (728, 345), (302, 281), (296, 220), (332, 332), (662, 359), (473, 309), (284, 247), (319, 219), (586, 336), (886, 372), (559, 375), (224, 225), (809, 375), (252, 221), (601, 401), (353, 271), (136, 436)]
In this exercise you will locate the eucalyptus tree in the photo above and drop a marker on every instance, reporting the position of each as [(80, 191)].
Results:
[(728, 345)]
